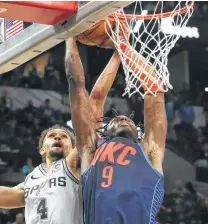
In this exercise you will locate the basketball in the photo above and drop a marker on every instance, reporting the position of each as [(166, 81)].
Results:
[(96, 35)]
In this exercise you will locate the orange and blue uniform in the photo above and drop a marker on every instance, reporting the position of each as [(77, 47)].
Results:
[(121, 186)]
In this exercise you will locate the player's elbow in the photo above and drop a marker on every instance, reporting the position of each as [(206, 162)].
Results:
[(98, 94), (76, 82)]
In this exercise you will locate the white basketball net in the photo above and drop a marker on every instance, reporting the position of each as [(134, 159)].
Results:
[(152, 46)]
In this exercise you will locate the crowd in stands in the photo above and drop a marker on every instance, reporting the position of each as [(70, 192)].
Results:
[(21, 128), (14, 216), (184, 205), (49, 79), (191, 140)]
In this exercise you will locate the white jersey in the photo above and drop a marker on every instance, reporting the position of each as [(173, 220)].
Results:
[(52, 195)]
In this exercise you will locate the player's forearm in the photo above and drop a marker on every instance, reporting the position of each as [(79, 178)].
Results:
[(102, 86), (11, 198), (73, 65), (155, 120), (106, 78)]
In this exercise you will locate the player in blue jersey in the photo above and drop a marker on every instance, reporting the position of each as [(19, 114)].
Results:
[(122, 177)]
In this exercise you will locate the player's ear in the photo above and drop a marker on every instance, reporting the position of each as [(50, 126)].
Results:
[(42, 151)]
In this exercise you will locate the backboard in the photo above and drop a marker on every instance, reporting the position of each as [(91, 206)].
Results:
[(39, 38)]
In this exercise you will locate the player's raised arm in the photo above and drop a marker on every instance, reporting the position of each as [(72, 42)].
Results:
[(102, 86), (12, 197), (83, 120), (155, 121)]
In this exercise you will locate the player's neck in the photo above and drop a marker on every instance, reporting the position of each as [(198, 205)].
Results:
[(48, 163), (127, 135)]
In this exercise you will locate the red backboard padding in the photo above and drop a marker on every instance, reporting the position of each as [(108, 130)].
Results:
[(45, 12)]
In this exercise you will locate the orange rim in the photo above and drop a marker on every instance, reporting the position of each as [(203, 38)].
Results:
[(123, 17)]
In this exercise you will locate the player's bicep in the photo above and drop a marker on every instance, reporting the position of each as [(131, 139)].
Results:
[(83, 121), (19, 195), (12, 197), (97, 108), (19, 192)]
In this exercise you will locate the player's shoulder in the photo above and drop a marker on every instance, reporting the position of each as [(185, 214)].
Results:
[(67, 170), (102, 141), (41, 170), (123, 140)]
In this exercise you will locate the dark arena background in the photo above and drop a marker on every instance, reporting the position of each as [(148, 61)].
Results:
[(34, 96)]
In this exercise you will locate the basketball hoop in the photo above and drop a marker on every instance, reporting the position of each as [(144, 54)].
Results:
[(145, 58)]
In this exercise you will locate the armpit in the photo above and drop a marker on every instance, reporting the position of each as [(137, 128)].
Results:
[(152, 150), (155, 155)]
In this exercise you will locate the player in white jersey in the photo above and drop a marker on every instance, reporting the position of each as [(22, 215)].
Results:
[(50, 193)]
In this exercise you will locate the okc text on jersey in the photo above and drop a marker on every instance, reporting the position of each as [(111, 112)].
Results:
[(112, 153)]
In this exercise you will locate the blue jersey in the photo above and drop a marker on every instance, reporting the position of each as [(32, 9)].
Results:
[(121, 186)]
